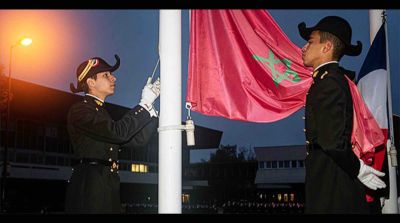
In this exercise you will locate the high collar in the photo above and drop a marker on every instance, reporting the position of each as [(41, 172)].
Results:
[(97, 100), (326, 63), (322, 70)]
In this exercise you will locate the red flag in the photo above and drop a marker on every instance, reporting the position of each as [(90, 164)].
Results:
[(242, 66), (366, 135)]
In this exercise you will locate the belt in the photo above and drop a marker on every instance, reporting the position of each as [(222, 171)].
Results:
[(92, 161)]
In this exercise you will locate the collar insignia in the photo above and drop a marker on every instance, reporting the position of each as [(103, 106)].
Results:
[(315, 73), (98, 102)]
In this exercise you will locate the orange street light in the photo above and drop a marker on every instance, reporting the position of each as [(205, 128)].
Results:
[(25, 41)]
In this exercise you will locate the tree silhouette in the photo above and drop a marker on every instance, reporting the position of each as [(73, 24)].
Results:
[(231, 175), (3, 91)]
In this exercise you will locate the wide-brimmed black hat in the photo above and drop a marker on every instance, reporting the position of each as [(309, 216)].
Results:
[(89, 68), (336, 26)]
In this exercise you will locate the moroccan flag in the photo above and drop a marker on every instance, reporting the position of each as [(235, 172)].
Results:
[(242, 66), (372, 84)]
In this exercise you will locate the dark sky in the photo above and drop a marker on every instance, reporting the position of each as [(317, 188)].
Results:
[(62, 39)]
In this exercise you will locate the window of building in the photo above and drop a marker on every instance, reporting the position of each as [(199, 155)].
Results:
[(185, 198), (301, 163), (143, 168), (139, 168), (268, 164), (274, 164), (281, 165), (135, 168), (292, 197), (294, 163), (286, 163), (285, 197), (262, 165)]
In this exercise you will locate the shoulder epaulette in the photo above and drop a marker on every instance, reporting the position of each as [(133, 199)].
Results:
[(323, 75)]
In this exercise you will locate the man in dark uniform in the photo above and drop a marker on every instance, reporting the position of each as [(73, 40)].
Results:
[(335, 177), (94, 185)]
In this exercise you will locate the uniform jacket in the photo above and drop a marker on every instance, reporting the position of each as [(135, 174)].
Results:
[(94, 135), (331, 185)]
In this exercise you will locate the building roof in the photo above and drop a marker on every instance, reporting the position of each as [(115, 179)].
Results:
[(276, 153)]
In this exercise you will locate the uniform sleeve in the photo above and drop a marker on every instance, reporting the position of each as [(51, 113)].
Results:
[(142, 138), (331, 118), (95, 124)]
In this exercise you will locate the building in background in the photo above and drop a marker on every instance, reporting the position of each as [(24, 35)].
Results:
[(40, 154), (281, 173)]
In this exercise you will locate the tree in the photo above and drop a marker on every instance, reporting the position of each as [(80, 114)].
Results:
[(231, 174), (3, 91), (224, 154)]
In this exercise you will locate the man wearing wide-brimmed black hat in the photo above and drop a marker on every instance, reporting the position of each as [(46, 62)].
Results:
[(95, 137), (335, 177)]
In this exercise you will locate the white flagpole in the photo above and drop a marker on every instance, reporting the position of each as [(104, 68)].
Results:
[(170, 136), (376, 18)]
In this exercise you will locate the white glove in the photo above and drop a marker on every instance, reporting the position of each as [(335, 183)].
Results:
[(150, 93), (370, 176)]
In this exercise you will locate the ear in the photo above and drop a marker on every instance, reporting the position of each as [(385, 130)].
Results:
[(90, 82), (328, 46)]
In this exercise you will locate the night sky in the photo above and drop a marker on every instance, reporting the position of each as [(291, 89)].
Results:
[(62, 39)]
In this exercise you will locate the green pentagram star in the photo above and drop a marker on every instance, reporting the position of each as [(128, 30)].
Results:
[(278, 77)]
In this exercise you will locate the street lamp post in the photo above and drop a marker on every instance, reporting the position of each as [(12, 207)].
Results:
[(24, 42)]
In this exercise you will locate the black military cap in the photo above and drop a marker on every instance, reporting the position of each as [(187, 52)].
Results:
[(90, 68), (336, 26)]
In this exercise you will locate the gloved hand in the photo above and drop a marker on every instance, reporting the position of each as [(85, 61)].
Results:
[(150, 93), (370, 176)]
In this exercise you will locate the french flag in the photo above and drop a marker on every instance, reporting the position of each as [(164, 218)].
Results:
[(372, 84), (372, 79)]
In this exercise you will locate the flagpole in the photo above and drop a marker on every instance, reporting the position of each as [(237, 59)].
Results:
[(392, 205), (170, 134), (377, 18), (393, 156)]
